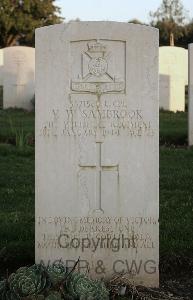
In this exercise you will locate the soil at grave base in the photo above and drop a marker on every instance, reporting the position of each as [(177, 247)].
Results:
[(176, 276), (173, 289), (176, 280)]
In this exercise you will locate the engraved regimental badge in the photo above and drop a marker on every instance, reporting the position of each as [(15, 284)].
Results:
[(96, 74)]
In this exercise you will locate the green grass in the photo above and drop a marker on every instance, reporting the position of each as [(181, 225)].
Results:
[(17, 205), (17, 193), (16, 123), (173, 128)]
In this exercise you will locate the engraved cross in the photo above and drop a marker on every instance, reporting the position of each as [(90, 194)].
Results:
[(19, 60), (99, 168)]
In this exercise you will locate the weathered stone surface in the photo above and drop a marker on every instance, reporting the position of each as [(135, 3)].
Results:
[(173, 73), (97, 148), (18, 77), (190, 96)]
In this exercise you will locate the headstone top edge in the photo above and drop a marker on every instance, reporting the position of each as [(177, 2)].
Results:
[(172, 47), (95, 23), (18, 48)]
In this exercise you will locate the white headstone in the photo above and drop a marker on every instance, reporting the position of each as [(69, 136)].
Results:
[(1, 67), (1, 78), (190, 96), (97, 148), (173, 73), (18, 77)]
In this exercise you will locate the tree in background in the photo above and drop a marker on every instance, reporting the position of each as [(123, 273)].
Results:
[(135, 21), (187, 37), (169, 18), (19, 18)]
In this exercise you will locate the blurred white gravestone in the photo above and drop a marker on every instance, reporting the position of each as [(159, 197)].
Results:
[(1, 67), (173, 77), (190, 96), (18, 77), (1, 78), (97, 148)]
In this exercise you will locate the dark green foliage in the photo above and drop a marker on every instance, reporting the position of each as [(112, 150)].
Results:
[(19, 18), (79, 286), (3, 289), (28, 281), (165, 30), (33, 283), (187, 37), (6, 293), (54, 296), (56, 273)]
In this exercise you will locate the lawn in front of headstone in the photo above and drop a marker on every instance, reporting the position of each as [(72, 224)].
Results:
[(17, 206), (173, 128), (176, 209), (17, 197), (15, 125)]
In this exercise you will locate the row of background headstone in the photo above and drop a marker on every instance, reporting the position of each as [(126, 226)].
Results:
[(17, 77), (173, 77), (17, 68)]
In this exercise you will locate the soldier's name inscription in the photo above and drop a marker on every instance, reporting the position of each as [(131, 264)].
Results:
[(84, 118)]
